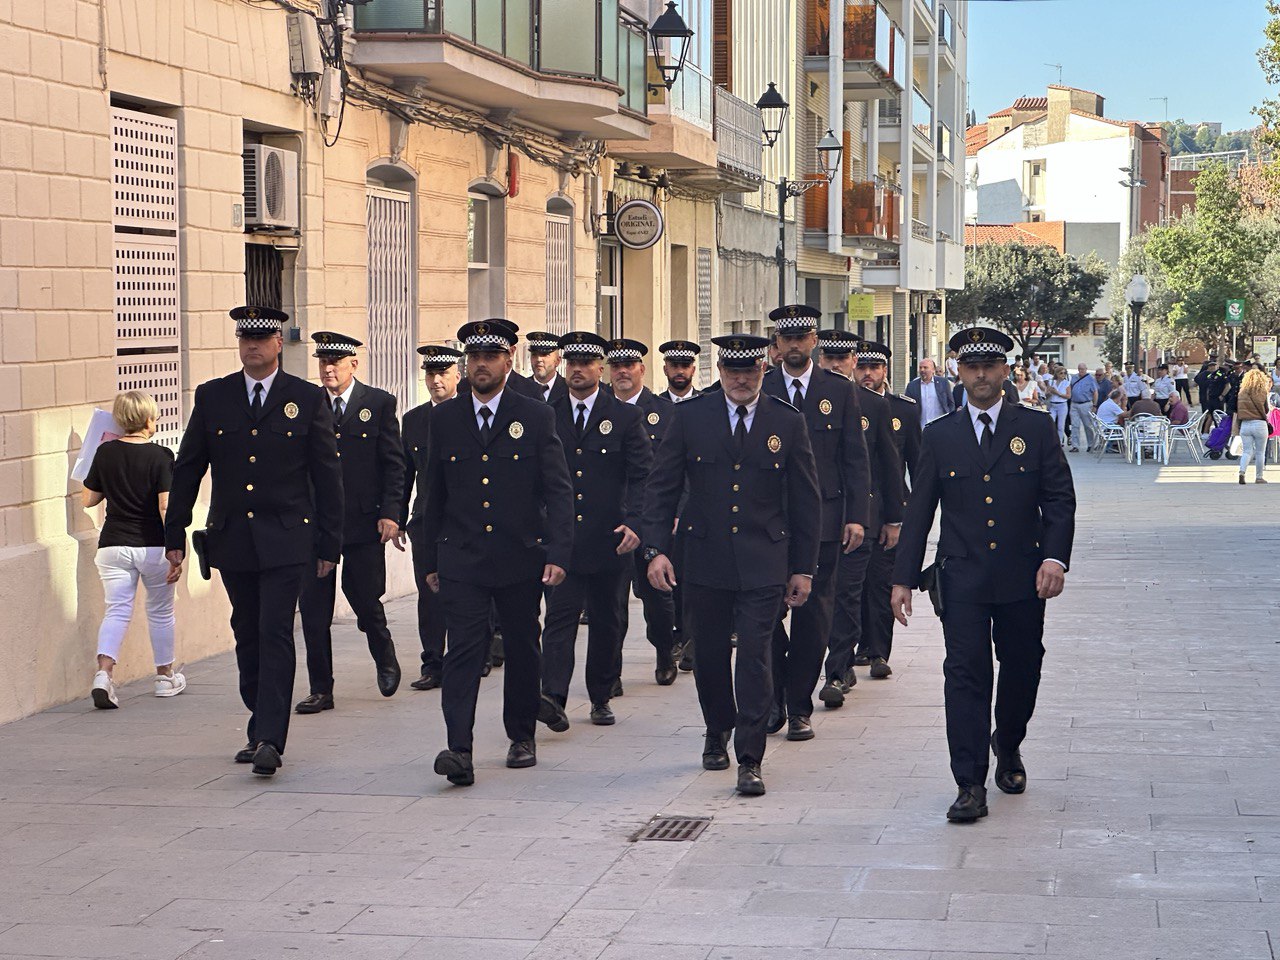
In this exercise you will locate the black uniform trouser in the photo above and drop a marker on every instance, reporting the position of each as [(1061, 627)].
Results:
[(680, 633), (466, 613), (846, 624), (877, 614), (598, 593), (797, 658), (1184, 388), (364, 581), (658, 606), (262, 605), (431, 630), (970, 630), (735, 694)]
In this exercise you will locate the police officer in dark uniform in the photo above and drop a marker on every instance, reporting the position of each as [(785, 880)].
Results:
[(1008, 522), (884, 525), (680, 367), (516, 381), (625, 358), (275, 507), (544, 358), (876, 642), (609, 458), (497, 525), (440, 364), (752, 522), (368, 434), (831, 407)]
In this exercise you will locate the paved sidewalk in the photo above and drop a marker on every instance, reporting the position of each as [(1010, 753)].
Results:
[(1151, 828)]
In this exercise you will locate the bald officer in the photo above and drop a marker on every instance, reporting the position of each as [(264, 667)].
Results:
[(1008, 522), (275, 506)]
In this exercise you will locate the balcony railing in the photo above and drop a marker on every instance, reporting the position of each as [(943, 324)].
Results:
[(737, 131), (691, 97), (870, 37), (946, 28), (921, 229), (944, 141), (870, 210), (921, 114), (589, 39)]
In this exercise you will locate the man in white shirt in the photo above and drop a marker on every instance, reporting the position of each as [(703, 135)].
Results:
[(1109, 411), (935, 396), (1134, 388)]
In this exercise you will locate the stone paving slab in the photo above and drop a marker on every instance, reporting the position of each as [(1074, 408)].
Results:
[(1151, 828)]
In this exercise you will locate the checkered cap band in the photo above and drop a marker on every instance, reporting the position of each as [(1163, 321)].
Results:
[(543, 343), (589, 350), (982, 346), (872, 356), (488, 341), (336, 346), (623, 355), (795, 324), (680, 356), (258, 324), (750, 353)]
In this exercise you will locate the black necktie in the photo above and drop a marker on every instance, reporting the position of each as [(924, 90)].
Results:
[(581, 422), (546, 393), (987, 437), (255, 406), (740, 432), (337, 410), (485, 414), (797, 398)]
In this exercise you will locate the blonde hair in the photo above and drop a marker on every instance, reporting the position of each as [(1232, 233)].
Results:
[(1256, 382), (133, 409)]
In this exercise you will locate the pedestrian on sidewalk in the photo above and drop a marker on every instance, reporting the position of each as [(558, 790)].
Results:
[(133, 475), (1028, 389), (1058, 387), (1252, 408), (1084, 397)]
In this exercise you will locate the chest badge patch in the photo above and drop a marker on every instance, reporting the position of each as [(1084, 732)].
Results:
[(516, 430), (653, 418), (825, 407), (897, 424), (291, 410), (1018, 446), (774, 443), (365, 415), (866, 424), (606, 427)]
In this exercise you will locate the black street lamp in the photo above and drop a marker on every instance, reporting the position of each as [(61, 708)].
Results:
[(773, 114), (1138, 292), (669, 26)]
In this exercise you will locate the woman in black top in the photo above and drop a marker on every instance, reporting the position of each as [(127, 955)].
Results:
[(133, 476)]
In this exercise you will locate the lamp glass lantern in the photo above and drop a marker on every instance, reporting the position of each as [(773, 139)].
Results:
[(773, 109), (671, 28), (829, 151), (1138, 292)]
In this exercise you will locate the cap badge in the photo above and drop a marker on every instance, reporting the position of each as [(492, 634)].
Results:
[(252, 313), (736, 344), (365, 414), (793, 311), (482, 328), (975, 335), (516, 430), (291, 410), (1018, 446), (606, 427), (866, 424), (430, 352), (897, 424), (653, 418), (774, 443), (824, 406)]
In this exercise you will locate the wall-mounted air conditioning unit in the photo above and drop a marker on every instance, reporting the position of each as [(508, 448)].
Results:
[(270, 187)]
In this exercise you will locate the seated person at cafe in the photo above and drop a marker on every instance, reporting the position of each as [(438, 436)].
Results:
[(1111, 408)]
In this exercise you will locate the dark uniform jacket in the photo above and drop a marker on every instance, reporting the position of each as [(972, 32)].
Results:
[(666, 395), (516, 382), (905, 428), (657, 415), (608, 467), (886, 463), (833, 412), (276, 495), (559, 388), (498, 513), (748, 523), (415, 431), (1001, 518), (373, 466)]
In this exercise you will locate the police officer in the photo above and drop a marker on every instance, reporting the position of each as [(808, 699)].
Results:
[(440, 364), (831, 407), (544, 361), (625, 358), (368, 434), (884, 525), (275, 506), (836, 352), (876, 642), (609, 458), (497, 527), (1008, 521), (752, 522), (516, 381)]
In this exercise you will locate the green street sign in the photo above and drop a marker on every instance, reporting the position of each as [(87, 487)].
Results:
[(1235, 313)]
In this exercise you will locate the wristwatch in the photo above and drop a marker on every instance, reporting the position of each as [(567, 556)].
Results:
[(649, 553)]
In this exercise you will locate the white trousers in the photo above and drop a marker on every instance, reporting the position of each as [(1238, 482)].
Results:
[(121, 568), (1059, 411)]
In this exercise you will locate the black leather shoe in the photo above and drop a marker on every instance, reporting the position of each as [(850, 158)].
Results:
[(266, 760), (686, 657), (750, 783), (246, 755), (860, 660), (832, 694), (849, 680), (428, 681), (487, 668), (315, 703), (455, 766), (602, 716), (389, 673), (665, 676), (880, 669), (521, 754), (1011, 775), (553, 715), (715, 751), (616, 690), (970, 805), (777, 719), (799, 728)]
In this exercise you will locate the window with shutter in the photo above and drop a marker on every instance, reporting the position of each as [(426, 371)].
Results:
[(722, 44)]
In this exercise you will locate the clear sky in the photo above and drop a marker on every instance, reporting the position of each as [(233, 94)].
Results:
[(1201, 54)]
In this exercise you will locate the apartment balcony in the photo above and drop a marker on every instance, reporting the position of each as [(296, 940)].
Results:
[(682, 137), (874, 51), (739, 152), (945, 143), (922, 123), (950, 255), (565, 68), (871, 211)]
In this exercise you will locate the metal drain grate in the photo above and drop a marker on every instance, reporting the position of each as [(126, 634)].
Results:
[(674, 828)]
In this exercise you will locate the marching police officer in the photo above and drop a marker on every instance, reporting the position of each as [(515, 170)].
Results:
[(1008, 522), (752, 522), (497, 527), (544, 360), (440, 364), (876, 642), (831, 407), (275, 507), (626, 373), (516, 381), (608, 453), (368, 435), (679, 366)]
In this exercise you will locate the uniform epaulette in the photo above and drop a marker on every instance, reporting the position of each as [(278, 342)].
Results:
[(903, 396), (789, 406)]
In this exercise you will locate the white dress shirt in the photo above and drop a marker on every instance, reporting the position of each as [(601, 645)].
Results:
[(789, 379), (634, 398), (344, 396), (547, 387), (1164, 388), (930, 408), (491, 403), (733, 412), (676, 398), (265, 381), (589, 401), (1133, 385)]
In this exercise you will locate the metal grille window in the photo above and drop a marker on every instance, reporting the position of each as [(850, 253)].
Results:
[(148, 324), (392, 340), (703, 279), (263, 276), (559, 274)]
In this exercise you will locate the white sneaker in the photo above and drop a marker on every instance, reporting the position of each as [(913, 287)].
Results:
[(104, 691), (170, 686)]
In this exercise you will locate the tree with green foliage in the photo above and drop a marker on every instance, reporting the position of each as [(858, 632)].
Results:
[(1031, 292), (1157, 331), (1269, 57)]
